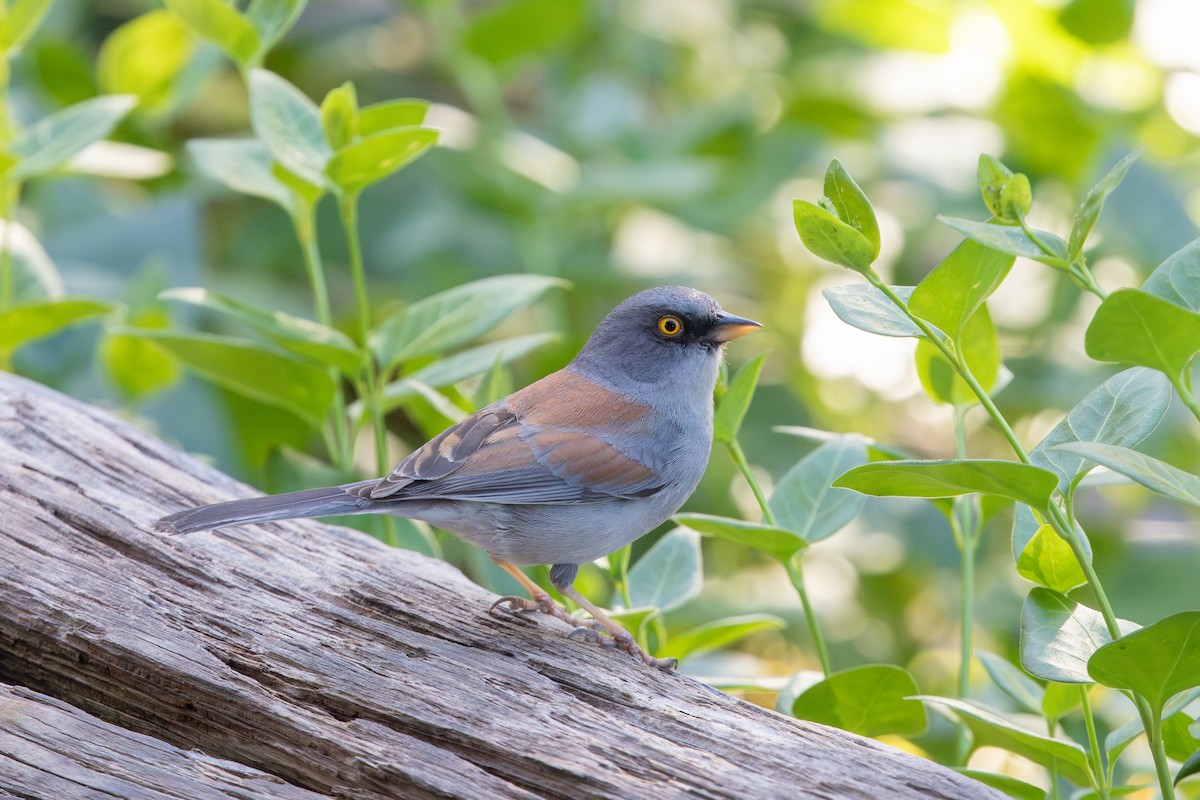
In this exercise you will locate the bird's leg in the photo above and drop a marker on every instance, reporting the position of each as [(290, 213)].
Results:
[(563, 580), (540, 601)]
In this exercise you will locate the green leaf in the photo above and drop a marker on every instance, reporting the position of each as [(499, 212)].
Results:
[(1156, 662), (34, 277), (805, 502), (1120, 738), (221, 24), (1058, 636), (243, 165), (868, 309), (1007, 195), (448, 319), (668, 574), (302, 337), (137, 366), (272, 19), (1013, 787), (980, 347), (144, 57), (720, 633), (23, 324), (871, 700), (1089, 210), (339, 115), (1026, 526), (251, 370), (1048, 560), (55, 139), (950, 478), (956, 288), (510, 30), (289, 124), (731, 409), (1178, 738), (1135, 327), (778, 543), (1010, 679), (1177, 279), (1122, 411), (1155, 475), (829, 238), (1190, 767), (989, 729), (851, 204), (463, 365), (391, 114), (1010, 240), (375, 157), (23, 19), (1060, 699)]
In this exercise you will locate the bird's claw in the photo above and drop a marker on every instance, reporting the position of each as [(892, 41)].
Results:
[(625, 643)]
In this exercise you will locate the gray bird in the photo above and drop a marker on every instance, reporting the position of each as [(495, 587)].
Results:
[(562, 472)]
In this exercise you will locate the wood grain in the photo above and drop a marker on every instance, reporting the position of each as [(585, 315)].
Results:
[(314, 656)]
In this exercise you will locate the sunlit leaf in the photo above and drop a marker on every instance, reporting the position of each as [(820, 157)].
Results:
[(719, 633), (732, 407), (302, 337), (289, 124), (1007, 195), (989, 729), (1010, 679), (252, 370), (1177, 279), (668, 574), (871, 700), (1012, 787), (144, 57), (33, 275), (448, 319), (1155, 475), (829, 238), (980, 347), (1058, 636), (1089, 210), (1011, 240), (778, 543), (1048, 560), (1156, 662), (391, 114), (23, 324), (220, 23), (851, 204), (339, 115), (950, 478), (954, 291), (243, 165), (1122, 411), (870, 310), (1135, 327), (53, 140), (375, 157), (1061, 699), (23, 19), (805, 500), (272, 19)]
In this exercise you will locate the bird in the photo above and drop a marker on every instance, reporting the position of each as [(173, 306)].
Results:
[(562, 472)]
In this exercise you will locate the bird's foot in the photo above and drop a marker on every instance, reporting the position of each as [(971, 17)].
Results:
[(513, 607), (623, 641)]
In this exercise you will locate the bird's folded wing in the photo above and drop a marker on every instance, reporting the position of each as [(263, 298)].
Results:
[(525, 453)]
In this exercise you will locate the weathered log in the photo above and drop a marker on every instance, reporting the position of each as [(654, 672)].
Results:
[(316, 655)]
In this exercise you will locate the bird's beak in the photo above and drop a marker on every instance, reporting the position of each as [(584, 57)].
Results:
[(728, 327)]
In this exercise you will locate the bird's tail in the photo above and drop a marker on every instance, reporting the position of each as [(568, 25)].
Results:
[(325, 502)]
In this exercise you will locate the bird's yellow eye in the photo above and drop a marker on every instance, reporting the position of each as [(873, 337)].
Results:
[(670, 325)]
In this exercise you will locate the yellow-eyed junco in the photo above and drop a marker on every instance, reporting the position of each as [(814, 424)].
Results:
[(562, 472)]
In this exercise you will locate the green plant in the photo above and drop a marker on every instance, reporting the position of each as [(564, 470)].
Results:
[(1156, 328)]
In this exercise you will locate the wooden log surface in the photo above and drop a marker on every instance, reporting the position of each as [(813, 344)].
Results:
[(317, 661)]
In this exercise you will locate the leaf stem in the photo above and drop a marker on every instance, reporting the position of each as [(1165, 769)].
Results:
[(1100, 779), (348, 209), (795, 567), (304, 223), (965, 524), (795, 571)]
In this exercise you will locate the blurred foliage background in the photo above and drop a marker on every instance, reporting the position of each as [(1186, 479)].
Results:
[(621, 144)]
